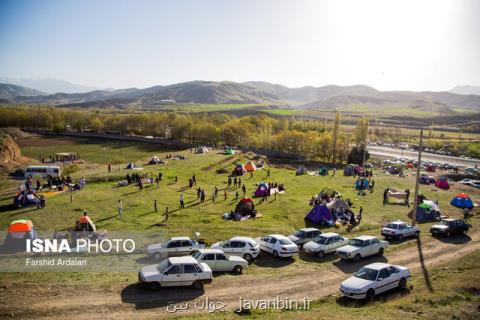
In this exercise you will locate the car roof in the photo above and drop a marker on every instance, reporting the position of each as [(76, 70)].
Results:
[(210, 250), (329, 234), (308, 229), (277, 236), (239, 238), (363, 238), (378, 265), (450, 219), (184, 259), (397, 222), (179, 238)]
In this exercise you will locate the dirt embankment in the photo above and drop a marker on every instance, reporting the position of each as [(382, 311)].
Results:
[(9, 150)]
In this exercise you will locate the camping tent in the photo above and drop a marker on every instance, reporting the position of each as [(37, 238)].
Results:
[(425, 213), (432, 205), (410, 165), (229, 151), (339, 205), (250, 166), (323, 171), (131, 165), (26, 198), (245, 207), (425, 179), (201, 149), (155, 160), (431, 168), (300, 170), (18, 232), (442, 183), (262, 190), (395, 169), (462, 201), (361, 183), (349, 170), (319, 215), (239, 170)]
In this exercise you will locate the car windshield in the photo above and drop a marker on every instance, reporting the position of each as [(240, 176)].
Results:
[(356, 242), (299, 234), (162, 266), (165, 244), (367, 274), (444, 222), (320, 240), (285, 241), (197, 255), (392, 226)]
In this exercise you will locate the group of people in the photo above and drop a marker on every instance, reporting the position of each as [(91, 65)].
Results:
[(236, 182)]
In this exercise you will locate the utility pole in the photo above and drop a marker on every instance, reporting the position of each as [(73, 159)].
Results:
[(417, 181)]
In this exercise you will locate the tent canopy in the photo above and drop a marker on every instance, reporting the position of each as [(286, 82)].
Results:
[(201, 149), (239, 170), (20, 226), (229, 151), (349, 170), (319, 214), (462, 201), (442, 183), (301, 170), (250, 166), (262, 189)]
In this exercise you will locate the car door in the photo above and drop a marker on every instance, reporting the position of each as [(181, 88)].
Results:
[(272, 245), (367, 248), (409, 231), (234, 248), (264, 244), (240, 248), (190, 274), (173, 276), (222, 263), (336, 243), (384, 281), (209, 259)]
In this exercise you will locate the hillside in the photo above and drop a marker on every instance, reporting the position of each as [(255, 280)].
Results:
[(466, 90), (10, 91), (252, 92)]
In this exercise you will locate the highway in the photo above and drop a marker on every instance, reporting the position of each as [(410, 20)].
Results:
[(390, 152)]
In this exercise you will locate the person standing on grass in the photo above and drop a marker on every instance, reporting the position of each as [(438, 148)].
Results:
[(160, 176), (155, 205), (235, 182), (213, 197), (182, 202), (216, 192), (109, 168), (239, 182), (268, 172), (194, 179), (166, 214), (176, 179), (202, 196), (466, 212), (360, 212), (275, 195), (157, 182), (229, 181), (120, 208), (244, 190), (199, 192), (251, 174), (224, 194)]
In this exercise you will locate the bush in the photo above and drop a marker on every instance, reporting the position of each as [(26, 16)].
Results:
[(356, 155)]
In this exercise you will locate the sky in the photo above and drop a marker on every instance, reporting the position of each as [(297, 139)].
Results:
[(387, 44)]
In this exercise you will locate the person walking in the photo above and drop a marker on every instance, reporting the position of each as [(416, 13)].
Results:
[(155, 208), (182, 202)]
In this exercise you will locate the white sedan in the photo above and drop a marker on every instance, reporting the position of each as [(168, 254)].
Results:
[(278, 245), (399, 230), (219, 261), (325, 243), (373, 279)]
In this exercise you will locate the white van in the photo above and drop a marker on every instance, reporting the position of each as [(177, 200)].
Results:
[(42, 171)]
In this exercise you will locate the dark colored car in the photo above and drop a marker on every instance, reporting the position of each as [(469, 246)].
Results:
[(448, 227)]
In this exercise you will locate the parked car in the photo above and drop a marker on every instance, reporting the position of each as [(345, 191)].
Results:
[(175, 271), (373, 279), (472, 171), (399, 230), (278, 245), (304, 235), (219, 261), (176, 246), (244, 247), (448, 227), (361, 247), (325, 243)]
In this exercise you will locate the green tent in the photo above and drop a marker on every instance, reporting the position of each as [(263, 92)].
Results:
[(229, 151)]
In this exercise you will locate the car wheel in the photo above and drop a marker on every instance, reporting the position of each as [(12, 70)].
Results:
[(275, 253), (357, 257), (370, 295), (154, 286), (321, 254), (157, 256), (380, 252), (197, 285), (238, 270), (402, 284), (417, 234), (248, 257)]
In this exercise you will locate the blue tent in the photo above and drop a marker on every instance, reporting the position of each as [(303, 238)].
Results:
[(462, 201), (361, 184), (319, 214), (425, 214)]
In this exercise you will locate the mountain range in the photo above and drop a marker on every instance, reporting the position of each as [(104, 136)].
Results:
[(252, 92), (48, 85)]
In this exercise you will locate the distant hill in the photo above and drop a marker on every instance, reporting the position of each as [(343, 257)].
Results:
[(48, 85), (466, 90), (10, 91), (252, 92)]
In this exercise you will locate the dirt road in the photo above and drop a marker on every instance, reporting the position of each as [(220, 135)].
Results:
[(57, 301)]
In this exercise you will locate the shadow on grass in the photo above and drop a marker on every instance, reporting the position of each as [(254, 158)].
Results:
[(353, 266), (148, 299), (382, 297), (265, 260), (7, 207), (107, 218), (458, 239), (329, 257), (425, 274)]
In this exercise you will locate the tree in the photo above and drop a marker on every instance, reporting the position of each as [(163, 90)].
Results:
[(361, 131), (335, 135), (356, 155)]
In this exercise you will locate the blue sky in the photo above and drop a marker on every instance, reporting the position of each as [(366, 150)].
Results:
[(407, 44)]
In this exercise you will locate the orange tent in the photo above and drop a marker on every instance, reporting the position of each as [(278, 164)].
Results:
[(20, 226), (250, 166)]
